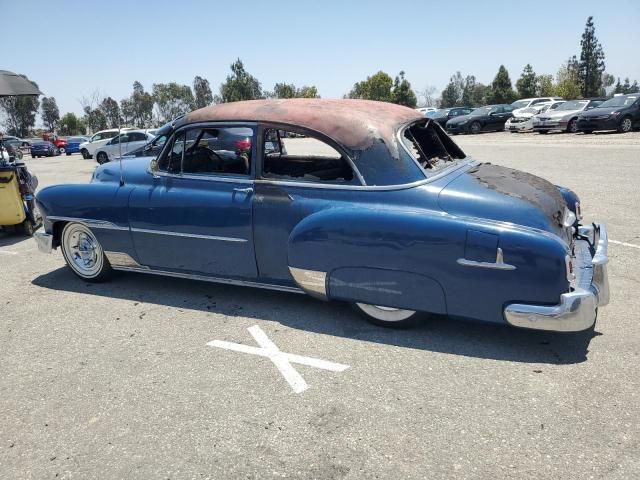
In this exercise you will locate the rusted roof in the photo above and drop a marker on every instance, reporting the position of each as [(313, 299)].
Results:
[(355, 124)]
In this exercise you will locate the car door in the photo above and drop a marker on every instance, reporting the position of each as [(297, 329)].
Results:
[(298, 177), (116, 144), (195, 214)]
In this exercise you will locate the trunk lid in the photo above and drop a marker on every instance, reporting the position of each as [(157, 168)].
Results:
[(506, 195)]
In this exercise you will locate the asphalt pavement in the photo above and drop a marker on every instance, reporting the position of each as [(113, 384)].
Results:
[(151, 377)]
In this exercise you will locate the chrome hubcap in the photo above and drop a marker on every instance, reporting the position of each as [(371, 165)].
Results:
[(82, 250), (385, 314)]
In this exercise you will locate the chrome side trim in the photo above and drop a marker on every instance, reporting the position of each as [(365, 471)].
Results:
[(119, 259), (312, 282), (497, 265), (189, 235), (101, 224), (577, 309), (205, 177), (204, 278), (44, 241)]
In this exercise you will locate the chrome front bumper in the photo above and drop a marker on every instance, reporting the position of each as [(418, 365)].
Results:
[(44, 241), (577, 309)]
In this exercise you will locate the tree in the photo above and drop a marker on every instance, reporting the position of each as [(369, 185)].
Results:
[(308, 92), (284, 90), (567, 80), (20, 113), (289, 90), (474, 94), (70, 124), (452, 93), (111, 111), (172, 100), (545, 86), (240, 85), (402, 93), (591, 65), (93, 118), (607, 81), (376, 87), (427, 96), (635, 88), (202, 92), (140, 106), (526, 84), (501, 89), (50, 113)]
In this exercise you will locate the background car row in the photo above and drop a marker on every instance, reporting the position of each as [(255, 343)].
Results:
[(544, 114)]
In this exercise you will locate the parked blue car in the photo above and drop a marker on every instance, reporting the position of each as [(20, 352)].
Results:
[(73, 144), (375, 206), (43, 149)]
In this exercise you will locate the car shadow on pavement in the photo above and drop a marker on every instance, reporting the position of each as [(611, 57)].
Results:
[(436, 334), (10, 238)]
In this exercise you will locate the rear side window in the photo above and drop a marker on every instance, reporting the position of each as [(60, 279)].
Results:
[(294, 157), (430, 146)]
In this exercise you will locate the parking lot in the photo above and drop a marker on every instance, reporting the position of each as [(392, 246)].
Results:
[(143, 377)]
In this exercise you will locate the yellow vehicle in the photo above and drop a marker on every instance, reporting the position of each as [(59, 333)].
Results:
[(17, 204)]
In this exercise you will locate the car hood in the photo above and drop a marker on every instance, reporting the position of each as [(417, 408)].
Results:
[(560, 114), (506, 195), (462, 119), (598, 112)]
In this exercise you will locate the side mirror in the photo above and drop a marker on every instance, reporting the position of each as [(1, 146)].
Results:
[(153, 168)]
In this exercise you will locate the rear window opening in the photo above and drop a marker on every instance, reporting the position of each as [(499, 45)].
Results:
[(296, 157), (430, 145)]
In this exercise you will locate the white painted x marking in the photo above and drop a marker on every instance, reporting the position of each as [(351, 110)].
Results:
[(280, 359)]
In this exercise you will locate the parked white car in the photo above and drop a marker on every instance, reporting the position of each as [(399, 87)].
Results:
[(88, 149), (523, 103), (523, 122), (125, 142), (565, 117)]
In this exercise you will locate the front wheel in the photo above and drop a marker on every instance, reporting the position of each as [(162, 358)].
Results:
[(387, 316), (543, 132), (626, 125), (475, 127), (102, 158), (85, 154), (68, 153), (83, 253), (572, 126)]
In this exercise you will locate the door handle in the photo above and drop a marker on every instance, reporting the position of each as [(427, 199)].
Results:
[(243, 190)]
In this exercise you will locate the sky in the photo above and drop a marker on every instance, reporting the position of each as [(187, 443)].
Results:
[(72, 48)]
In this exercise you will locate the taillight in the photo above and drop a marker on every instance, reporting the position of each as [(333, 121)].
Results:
[(571, 275), (244, 144)]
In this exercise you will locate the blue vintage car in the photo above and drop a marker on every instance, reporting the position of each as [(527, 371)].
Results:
[(364, 202)]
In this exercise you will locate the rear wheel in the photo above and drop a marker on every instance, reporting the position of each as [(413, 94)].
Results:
[(83, 253), (543, 132), (587, 131), (33, 156), (475, 127), (387, 316), (626, 125), (102, 158), (68, 153), (27, 228), (572, 126)]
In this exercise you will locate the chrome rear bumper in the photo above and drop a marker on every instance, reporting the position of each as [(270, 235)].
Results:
[(577, 309), (44, 241)]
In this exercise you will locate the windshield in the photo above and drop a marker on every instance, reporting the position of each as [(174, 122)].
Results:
[(573, 105), (482, 110), (622, 101), (440, 113), (521, 103)]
